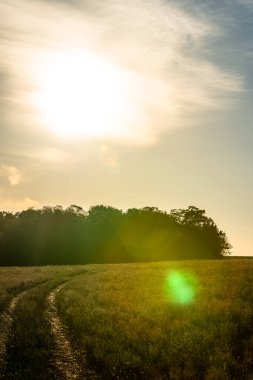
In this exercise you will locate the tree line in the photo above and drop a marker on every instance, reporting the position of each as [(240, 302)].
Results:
[(104, 234)]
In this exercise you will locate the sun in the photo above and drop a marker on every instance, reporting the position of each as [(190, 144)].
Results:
[(82, 94)]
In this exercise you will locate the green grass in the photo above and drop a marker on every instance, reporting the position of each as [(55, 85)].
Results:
[(13, 280), (29, 350), (29, 353), (134, 326), (173, 320)]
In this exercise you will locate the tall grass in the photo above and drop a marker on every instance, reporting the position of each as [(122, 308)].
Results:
[(134, 327), (15, 279), (31, 345)]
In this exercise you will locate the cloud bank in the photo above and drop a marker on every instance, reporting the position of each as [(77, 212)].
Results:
[(163, 48)]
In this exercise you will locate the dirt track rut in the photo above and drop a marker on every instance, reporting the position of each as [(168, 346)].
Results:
[(65, 357), (6, 319)]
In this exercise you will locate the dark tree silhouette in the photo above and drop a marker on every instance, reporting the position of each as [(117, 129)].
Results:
[(200, 235), (53, 235)]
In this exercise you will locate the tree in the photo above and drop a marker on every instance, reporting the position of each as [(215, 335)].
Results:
[(200, 234), (53, 235)]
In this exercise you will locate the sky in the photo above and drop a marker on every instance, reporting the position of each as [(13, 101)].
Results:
[(129, 104)]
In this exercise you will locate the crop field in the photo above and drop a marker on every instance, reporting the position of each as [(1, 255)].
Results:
[(170, 320)]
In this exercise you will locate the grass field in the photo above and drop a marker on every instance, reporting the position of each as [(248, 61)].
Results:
[(173, 320)]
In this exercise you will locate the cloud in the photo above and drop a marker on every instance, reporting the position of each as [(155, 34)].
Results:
[(109, 157), (161, 47), (16, 204), (248, 3), (28, 202), (12, 173)]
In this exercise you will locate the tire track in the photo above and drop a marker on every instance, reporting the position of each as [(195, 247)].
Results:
[(65, 357), (6, 319)]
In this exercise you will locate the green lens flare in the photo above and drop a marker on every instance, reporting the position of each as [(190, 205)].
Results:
[(181, 287)]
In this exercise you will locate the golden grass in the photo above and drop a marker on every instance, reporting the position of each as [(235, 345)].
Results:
[(15, 279), (30, 347), (132, 328)]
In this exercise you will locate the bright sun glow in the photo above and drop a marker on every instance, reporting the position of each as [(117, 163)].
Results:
[(81, 94)]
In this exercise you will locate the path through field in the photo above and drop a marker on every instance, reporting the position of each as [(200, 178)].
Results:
[(65, 357), (34, 343), (6, 319)]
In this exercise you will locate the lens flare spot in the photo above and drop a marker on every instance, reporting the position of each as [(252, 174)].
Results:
[(181, 287)]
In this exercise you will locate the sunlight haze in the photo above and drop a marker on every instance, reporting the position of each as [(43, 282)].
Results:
[(129, 104)]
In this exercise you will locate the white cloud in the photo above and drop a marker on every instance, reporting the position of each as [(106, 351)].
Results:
[(8, 203), (12, 173), (28, 202)]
